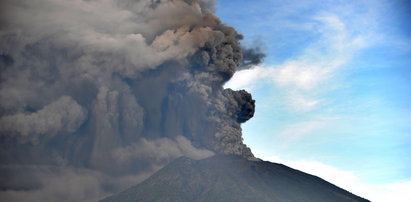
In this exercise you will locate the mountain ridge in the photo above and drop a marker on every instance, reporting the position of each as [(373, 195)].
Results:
[(232, 178)]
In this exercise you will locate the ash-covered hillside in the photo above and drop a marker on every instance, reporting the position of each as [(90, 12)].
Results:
[(232, 178)]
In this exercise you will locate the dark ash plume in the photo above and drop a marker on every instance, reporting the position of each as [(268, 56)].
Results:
[(252, 56), (97, 95)]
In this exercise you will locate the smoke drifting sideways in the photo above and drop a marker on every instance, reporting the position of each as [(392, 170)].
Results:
[(97, 95)]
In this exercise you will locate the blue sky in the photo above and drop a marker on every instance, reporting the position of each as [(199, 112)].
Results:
[(333, 93)]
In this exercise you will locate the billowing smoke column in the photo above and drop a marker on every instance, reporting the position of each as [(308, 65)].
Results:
[(97, 95)]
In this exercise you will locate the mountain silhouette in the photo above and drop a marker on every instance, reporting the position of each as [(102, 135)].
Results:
[(232, 178)]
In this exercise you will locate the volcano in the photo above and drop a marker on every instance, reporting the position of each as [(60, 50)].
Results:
[(232, 178)]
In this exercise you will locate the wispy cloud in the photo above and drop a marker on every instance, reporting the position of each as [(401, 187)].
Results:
[(300, 102), (295, 132), (308, 74)]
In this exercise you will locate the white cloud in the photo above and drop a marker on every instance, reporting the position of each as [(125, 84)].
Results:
[(300, 102), (244, 79), (305, 76), (295, 132), (300, 129), (351, 181)]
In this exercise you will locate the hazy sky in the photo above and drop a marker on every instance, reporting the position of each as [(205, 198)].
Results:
[(333, 94)]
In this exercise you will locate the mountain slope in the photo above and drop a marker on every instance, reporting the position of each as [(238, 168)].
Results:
[(232, 178)]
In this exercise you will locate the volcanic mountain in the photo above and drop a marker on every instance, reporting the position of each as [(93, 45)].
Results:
[(232, 178)]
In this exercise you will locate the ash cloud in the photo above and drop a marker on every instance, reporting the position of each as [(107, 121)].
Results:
[(64, 115), (97, 95), (252, 56)]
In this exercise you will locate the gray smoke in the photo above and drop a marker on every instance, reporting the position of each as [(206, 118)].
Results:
[(97, 95), (252, 56)]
